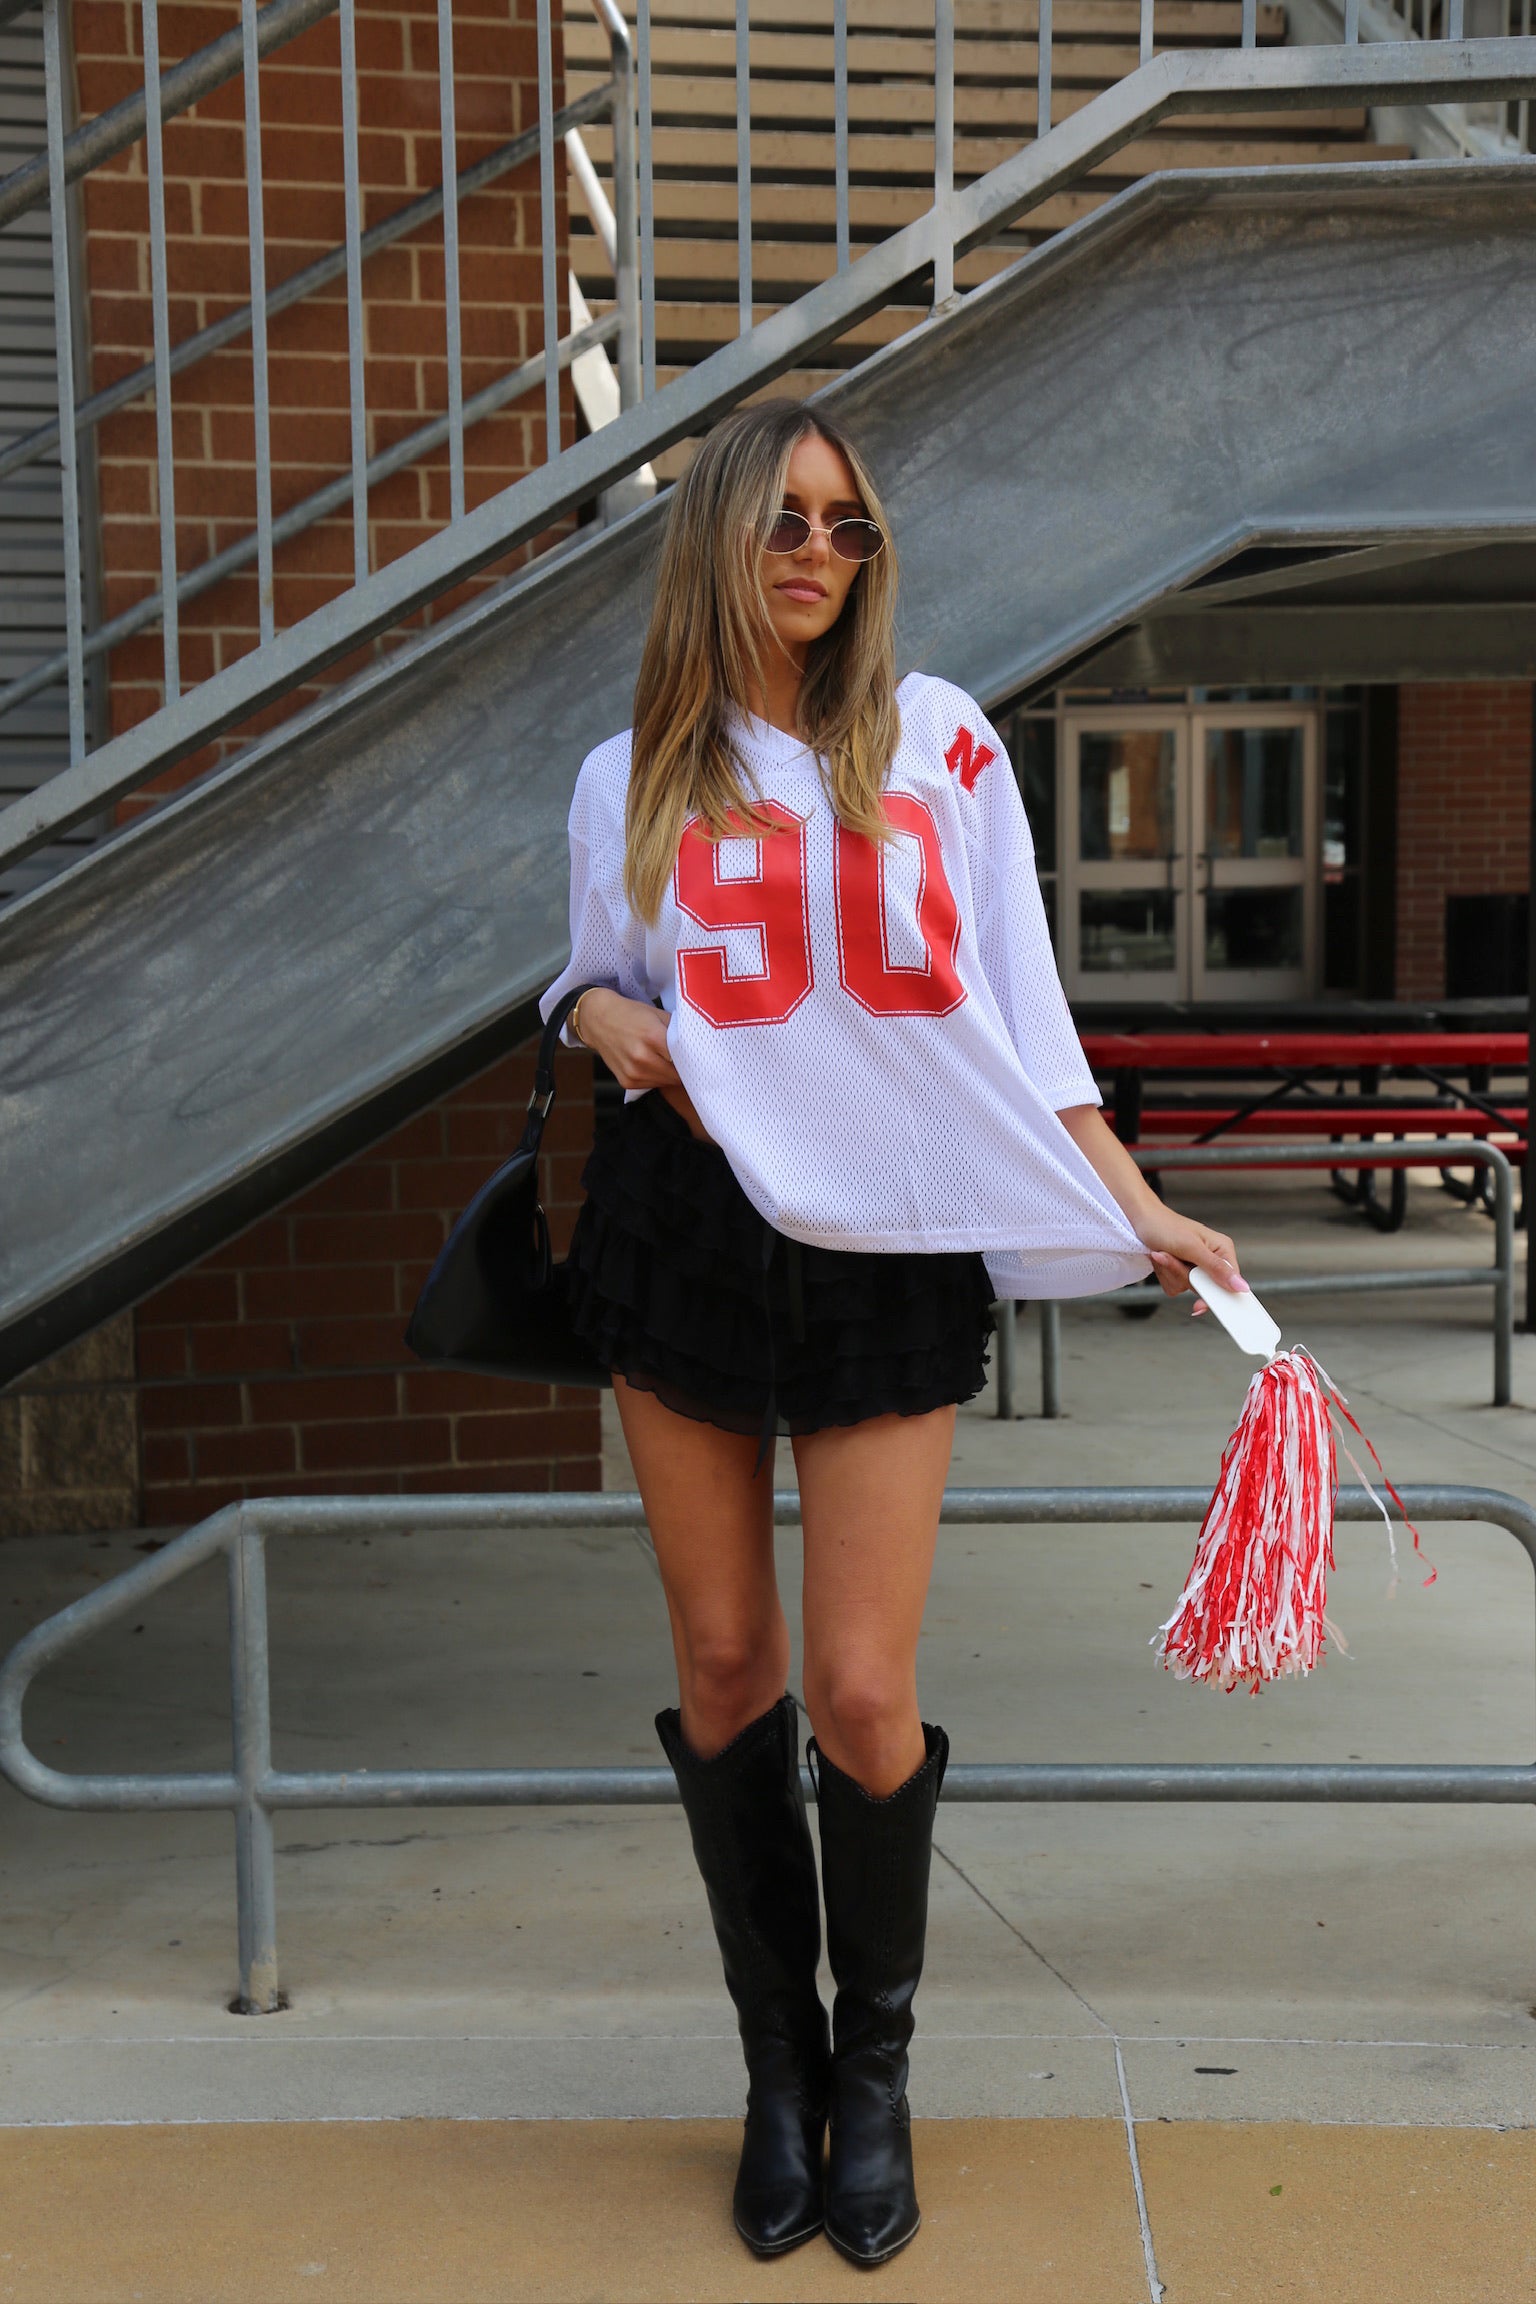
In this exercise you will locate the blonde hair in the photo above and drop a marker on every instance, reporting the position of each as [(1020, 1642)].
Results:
[(704, 654)]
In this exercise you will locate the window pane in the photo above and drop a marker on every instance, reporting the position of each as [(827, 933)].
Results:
[(1118, 934), (1253, 928), (1125, 794), (1253, 791)]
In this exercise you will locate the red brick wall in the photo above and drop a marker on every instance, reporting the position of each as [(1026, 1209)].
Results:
[(1464, 798), (276, 1366), (495, 62)]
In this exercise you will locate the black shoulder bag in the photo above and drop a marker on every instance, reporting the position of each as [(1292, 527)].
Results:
[(495, 1300)]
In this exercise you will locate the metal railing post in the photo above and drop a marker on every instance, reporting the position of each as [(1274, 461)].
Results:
[(64, 340), (1504, 1284), (1005, 1322), (743, 168), (1050, 1358), (160, 309), (251, 1722), (447, 111), (943, 151), (549, 267), (626, 242), (840, 127), (261, 406), (647, 198), (353, 205)]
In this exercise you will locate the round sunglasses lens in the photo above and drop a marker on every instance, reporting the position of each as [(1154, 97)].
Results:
[(789, 532), (856, 539)]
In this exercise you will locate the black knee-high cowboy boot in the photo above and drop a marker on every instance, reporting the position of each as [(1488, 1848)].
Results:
[(874, 1869), (746, 1812)]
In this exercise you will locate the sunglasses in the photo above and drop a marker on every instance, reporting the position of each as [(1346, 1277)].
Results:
[(850, 539)]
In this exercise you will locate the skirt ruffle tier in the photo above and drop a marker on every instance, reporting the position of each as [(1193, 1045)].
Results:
[(680, 1287)]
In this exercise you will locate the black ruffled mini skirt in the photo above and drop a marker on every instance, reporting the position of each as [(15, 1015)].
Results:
[(680, 1287)]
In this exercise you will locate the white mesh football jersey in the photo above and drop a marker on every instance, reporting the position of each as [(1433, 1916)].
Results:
[(876, 1036)]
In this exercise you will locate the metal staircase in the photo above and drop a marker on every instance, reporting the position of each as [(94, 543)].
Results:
[(1207, 371), (890, 158)]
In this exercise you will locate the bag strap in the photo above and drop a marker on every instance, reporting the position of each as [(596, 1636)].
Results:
[(541, 1102)]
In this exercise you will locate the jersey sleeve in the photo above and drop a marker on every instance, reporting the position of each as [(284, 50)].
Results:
[(607, 942), (1012, 931)]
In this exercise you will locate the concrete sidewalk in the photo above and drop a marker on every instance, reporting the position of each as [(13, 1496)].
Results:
[(1097, 1975)]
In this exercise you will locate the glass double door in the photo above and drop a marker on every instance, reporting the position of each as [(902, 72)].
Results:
[(1188, 867)]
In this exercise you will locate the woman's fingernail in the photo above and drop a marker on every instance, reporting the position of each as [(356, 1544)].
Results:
[(1239, 1285)]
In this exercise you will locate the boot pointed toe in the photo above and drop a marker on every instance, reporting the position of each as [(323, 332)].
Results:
[(773, 2221), (778, 2198), (871, 2227)]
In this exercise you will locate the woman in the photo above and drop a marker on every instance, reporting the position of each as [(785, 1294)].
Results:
[(858, 1113)]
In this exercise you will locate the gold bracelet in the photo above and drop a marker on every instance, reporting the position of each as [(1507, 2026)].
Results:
[(574, 1021)]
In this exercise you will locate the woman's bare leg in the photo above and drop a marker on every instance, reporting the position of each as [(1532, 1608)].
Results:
[(870, 1496), (711, 1521)]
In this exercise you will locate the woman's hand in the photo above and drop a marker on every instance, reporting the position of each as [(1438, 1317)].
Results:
[(1173, 1242), (631, 1038)]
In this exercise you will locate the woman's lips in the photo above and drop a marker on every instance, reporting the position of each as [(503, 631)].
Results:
[(802, 589)]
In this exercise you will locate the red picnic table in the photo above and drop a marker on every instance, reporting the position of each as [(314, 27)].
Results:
[(1327, 1084)]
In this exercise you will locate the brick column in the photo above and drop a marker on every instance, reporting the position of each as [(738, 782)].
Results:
[(1464, 798)]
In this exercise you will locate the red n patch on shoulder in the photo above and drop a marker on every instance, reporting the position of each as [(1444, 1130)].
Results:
[(966, 758)]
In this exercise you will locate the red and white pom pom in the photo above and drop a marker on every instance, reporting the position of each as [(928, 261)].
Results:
[(1256, 1603)]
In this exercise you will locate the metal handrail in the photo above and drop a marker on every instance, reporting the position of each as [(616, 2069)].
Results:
[(254, 1790), (1165, 85), (1434, 1152)]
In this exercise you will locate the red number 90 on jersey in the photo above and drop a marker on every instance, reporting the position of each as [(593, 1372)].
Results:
[(771, 901)]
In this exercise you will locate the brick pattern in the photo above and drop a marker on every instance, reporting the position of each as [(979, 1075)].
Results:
[(277, 1366), (495, 58), (69, 1443), (1464, 797)]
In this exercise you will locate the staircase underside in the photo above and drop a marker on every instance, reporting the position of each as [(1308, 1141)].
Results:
[(1300, 394)]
